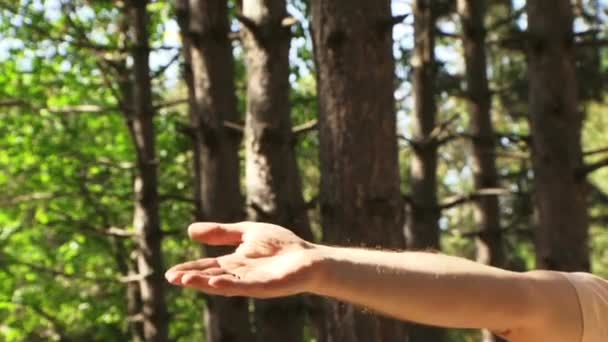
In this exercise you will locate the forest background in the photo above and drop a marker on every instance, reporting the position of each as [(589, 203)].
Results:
[(475, 128)]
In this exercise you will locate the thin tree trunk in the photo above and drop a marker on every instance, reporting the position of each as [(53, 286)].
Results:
[(556, 122), (127, 262), (360, 197), (422, 229), (146, 219), (209, 75), (422, 226), (489, 242), (128, 267), (182, 13), (134, 305), (274, 190)]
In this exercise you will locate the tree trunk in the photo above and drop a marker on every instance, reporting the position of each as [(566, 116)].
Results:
[(360, 198), (422, 229), (489, 241), (556, 127), (422, 225), (127, 262), (134, 306), (146, 219), (209, 75), (274, 190), (128, 267)]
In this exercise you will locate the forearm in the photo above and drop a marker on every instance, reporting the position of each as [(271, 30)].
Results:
[(422, 287)]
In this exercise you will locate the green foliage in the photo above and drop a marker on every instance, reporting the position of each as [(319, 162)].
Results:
[(66, 170), (595, 139)]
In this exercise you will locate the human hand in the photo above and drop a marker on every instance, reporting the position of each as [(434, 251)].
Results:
[(269, 261)]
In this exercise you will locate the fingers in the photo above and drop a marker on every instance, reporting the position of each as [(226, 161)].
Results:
[(177, 277), (218, 282), (229, 284), (174, 278), (174, 274), (201, 281), (218, 234), (207, 266), (196, 265)]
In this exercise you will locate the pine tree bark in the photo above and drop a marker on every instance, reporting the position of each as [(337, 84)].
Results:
[(274, 190), (422, 226), (209, 75), (556, 122), (146, 220), (487, 215), (422, 229), (489, 243), (360, 198), (127, 262)]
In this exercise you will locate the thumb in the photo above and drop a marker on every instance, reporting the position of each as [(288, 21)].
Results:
[(218, 234)]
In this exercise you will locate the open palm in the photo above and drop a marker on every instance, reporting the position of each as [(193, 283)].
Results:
[(269, 261)]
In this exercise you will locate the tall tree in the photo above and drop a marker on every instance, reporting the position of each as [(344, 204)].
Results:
[(422, 228), (556, 122), (360, 199), (209, 75), (422, 225), (274, 190), (146, 220), (479, 102), (126, 264)]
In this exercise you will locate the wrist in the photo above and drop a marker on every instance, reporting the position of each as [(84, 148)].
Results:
[(321, 259)]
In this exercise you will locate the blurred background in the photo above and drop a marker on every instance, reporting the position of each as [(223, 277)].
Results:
[(475, 128)]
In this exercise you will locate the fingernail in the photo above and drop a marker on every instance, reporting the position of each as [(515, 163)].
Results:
[(172, 277), (189, 230)]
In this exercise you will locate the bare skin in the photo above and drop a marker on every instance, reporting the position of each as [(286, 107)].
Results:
[(270, 261)]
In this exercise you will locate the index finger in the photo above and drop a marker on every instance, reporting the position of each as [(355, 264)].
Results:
[(217, 234)]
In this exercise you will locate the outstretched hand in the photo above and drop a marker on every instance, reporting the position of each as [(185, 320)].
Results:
[(269, 261)]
